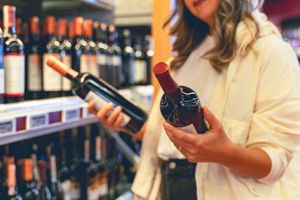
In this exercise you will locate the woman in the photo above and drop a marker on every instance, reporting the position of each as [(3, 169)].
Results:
[(248, 80)]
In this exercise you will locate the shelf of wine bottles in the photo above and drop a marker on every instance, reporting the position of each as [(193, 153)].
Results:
[(83, 44), (82, 163)]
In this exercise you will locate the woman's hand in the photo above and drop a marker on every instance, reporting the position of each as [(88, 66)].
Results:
[(110, 117), (209, 147)]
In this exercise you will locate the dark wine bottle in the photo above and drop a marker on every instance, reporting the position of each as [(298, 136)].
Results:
[(50, 47), (34, 69), (180, 105), (127, 59), (44, 190), (148, 51), (79, 48), (65, 53), (55, 186), (101, 41), (93, 50), (115, 76), (13, 60), (1, 69), (140, 65), (90, 88), (29, 189)]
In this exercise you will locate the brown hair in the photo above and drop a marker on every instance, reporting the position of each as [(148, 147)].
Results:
[(191, 31)]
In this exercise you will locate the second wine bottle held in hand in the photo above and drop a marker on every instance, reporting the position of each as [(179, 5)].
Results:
[(89, 88), (180, 105)]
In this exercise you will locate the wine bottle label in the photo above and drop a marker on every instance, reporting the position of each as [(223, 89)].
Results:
[(116, 60), (84, 63), (103, 186), (140, 71), (98, 148), (92, 190), (101, 59), (53, 170), (66, 83), (75, 189), (52, 81), (109, 60), (34, 73), (94, 69), (1, 70), (14, 73), (190, 128), (66, 187), (101, 101)]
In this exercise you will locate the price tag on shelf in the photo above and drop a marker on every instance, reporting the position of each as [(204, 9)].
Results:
[(7, 126), (55, 117), (21, 124), (38, 121), (72, 115)]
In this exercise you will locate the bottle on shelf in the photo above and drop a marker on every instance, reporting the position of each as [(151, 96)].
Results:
[(44, 189), (180, 105), (11, 191), (128, 59), (55, 186), (93, 50), (115, 76), (50, 47), (65, 53), (33, 62), (140, 65), (29, 189), (148, 51), (80, 48), (13, 59), (101, 42), (1, 69), (90, 88)]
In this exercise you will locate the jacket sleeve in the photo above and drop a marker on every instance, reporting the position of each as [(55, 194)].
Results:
[(275, 124)]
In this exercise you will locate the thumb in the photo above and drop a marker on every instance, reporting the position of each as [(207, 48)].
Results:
[(213, 122)]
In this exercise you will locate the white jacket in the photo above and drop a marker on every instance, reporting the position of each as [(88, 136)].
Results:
[(257, 99)]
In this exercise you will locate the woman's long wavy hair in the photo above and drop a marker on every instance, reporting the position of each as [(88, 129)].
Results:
[(190, 31)]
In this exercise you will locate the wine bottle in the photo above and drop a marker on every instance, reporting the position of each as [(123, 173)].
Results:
[(91, 89), (13, 60), (34, 69), (1, 69), (79, 48), (44, 190), (55, 186), (140, 65), (93, 51), (148, 51), (29, 189), (115, 76), (52, 82), (11, 191), (65, 53), (127, 59), (180, 105), (101, 41)]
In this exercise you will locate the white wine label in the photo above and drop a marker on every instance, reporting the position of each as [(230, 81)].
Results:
[(38, 121), (84, 63), (72, 115), (101, 59), (75, 193), (6, 127), (66, 83), (101, 101), (94, 69), (190, 128), (14, 73), (93, 193), (51, 79), (116, 60), (103, 189), (34, 73), (66, 188), (140, 71)]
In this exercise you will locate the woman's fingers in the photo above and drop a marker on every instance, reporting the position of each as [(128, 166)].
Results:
[(102, 113), (119, 121), (91, 107), (114, 116)]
